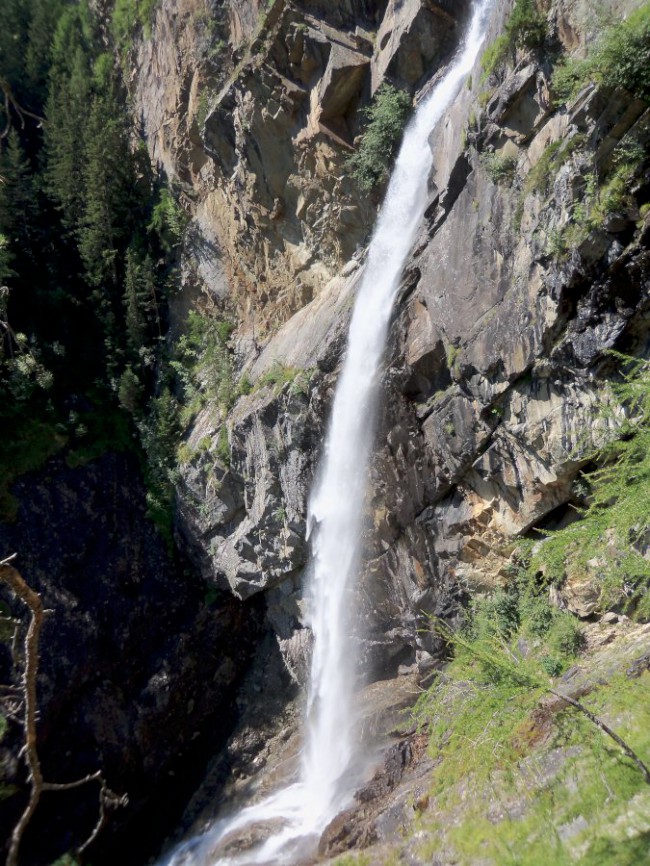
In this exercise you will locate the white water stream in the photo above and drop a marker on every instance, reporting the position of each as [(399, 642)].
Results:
[(332, 764)]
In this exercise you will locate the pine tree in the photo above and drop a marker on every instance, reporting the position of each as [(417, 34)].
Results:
[(67, 107), (18, 204), (135, 301), (45, 15), (13, 44)]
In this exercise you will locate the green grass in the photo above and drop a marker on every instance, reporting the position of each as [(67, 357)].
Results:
[(501, 168), (485, 734)]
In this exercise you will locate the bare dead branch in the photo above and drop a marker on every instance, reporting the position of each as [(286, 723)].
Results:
[(107, 800), (607, 730), (10, 102), (33, 601), (67, 786), (38, 785)]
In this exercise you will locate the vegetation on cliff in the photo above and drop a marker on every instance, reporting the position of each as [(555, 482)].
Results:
[(386, 117), (619, 58), (86, 365)]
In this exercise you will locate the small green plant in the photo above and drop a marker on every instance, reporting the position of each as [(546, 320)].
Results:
[(501, 168), (245, 386), (557, 245), (277, 376), (280, 514), (526, 28), (565, 635), (386, 118), (128, 16), (453, 353), (620, 58), (223, 445), (551, 665)]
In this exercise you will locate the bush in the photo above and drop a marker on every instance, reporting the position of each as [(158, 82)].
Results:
[(128, 16), (500, 168), (168, 220), (620, 58), (565, 637), (278, 375), (551, 665), (387, 116), (494, 615), (204, 365), (526, 28)]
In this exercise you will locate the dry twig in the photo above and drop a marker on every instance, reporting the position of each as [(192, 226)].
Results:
[(18, 585), (607, 730)]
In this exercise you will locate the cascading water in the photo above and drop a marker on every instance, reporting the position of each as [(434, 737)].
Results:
[(331, 762)]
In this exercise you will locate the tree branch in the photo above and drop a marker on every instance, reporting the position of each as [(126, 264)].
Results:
[(32, 600), (10, 103), (606, 729)]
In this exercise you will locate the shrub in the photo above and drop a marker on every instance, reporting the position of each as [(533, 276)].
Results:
[(223, 445), (386, 118), (495, 55), (551, 665), (536, 614), (128, 16), (500, 168), (278, 375), (526, 28), (168, 219), (495, 615), (620, 58), (565, 636), (204, 365)]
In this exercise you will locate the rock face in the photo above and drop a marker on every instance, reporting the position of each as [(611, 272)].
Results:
[(138, 672), (497, 359), (495, 367), (259, 140)]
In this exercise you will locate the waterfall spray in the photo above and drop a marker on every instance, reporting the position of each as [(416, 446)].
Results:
[(331, 762)]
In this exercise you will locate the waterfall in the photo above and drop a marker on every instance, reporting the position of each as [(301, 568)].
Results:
[(331, 762)]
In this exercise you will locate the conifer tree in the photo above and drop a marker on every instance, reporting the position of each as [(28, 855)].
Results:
[(18, 205), (67, 107)]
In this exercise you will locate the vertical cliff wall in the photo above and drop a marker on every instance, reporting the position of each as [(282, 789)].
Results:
[(498, 348)]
